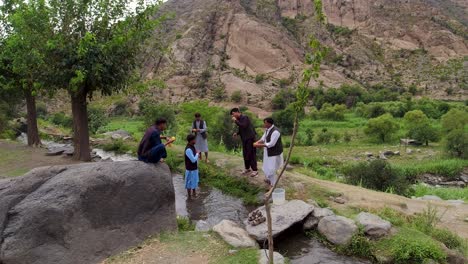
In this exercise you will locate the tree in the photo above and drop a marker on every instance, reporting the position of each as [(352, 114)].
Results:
[(313, 60), (95, 48), (457, 143), (24, 54), (454, 119), (419, 127), (382, 127)]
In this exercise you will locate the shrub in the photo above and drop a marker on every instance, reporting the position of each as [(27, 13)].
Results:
[(285, 82), (118, 146), (325, 136), (359, 246), (236, 97), (184, 224), (377, 175), (448, 238), (219, 93), (382, 127), (336, 112), (284, 119), (457, 143), (153, 111), (96, 118), (347, 137), (41, 110), (306, 138), (282, 99), (61, 119), (454, 119), (259, 78)]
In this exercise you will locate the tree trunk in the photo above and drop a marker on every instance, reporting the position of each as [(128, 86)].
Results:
[(33, 131), (80, 126), (270, 233)]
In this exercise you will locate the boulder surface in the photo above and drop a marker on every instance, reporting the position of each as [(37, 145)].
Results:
[(234, 235), (83, 213), (313, 219), (374, 226), (283, 217), (337, 229)]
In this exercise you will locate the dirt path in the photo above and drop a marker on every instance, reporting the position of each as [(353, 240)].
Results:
[(17, 159), (356, 197)]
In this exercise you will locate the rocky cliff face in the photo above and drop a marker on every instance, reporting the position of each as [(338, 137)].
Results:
[(256, 47)]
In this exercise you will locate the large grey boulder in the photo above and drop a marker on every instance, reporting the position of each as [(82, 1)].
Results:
[(234, 235), (313, 219), (83, 213), (283, 217), (337, 229), (374, 226)]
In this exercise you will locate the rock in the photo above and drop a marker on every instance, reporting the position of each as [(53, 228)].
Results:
[(263, 257), (202, 226), (283, 217), (456, 202), (232, 251), (374, 226), (337, 229), (382, 156), (314, 203), (464, 178), (389, 153), (453, 257), (119, 134), (339, 200), (289, 167), (55, 152), (313, 219), (69, 151), (431, 198), (368, 154), (409, 151), (84, 212), (234, 235), (411, 142)]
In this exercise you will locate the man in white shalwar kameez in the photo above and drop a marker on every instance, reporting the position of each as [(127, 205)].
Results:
[(273, 151)]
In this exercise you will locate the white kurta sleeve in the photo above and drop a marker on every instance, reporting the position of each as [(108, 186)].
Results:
[(274, 138)]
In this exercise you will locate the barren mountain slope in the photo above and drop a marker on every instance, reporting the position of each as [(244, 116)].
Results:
[(217, 47)]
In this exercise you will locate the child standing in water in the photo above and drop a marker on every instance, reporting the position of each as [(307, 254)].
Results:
[(191, 167)]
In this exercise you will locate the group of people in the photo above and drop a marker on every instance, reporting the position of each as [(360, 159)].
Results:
[(152, 150)]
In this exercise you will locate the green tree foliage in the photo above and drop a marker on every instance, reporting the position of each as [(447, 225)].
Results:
[(24, 53), (283, 119), (94, 49), (335, 113), (454, 119), (419, 127), (282, 99), (457, 143), (97, 118), (382, 127)]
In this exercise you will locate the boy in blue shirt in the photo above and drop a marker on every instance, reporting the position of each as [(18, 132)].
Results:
[(191, 167)]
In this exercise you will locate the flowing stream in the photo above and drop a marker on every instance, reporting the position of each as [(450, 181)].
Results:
[(212, 206)]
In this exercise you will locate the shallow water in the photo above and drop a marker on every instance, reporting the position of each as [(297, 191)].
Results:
[(301, 249)]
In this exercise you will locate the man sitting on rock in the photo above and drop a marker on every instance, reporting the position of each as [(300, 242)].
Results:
[(151, 149)]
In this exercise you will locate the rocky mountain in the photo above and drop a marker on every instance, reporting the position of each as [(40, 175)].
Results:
[(214, 48)]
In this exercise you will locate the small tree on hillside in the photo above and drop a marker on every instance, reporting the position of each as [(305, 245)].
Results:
[(95, 48), (419, 127), (453, 124), (382, 127)]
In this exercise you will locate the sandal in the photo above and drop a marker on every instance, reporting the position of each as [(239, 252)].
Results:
[(245, 171), (254, 174)]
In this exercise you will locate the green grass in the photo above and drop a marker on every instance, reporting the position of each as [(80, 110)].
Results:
[(238, 187), (410, 246), (446, 193), (184, 224), (135, 126), (450, 168)]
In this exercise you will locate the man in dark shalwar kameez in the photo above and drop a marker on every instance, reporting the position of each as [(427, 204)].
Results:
[(248, 137), (151, 149)]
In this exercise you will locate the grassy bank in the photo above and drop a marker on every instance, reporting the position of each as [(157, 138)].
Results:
[(446, 193)]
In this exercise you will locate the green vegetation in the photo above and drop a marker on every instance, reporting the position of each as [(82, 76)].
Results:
[(97, 118), (184, 224), (382, 127), (236, 97), (118, 146), (238, 187), (446, 193)]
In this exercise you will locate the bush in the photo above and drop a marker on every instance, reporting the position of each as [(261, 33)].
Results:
[(153, 111), (259, 78), (236, 97), (454, 119), (376, 175), (347, 137), (41, 110), (61, 119), (219, 93), (448, 238), (282, 99), (184, 224), (96, 118), (324, 137), (457, 143), (382, 127), (118, 146), (284, 119), (335, 113), (359, 246)]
